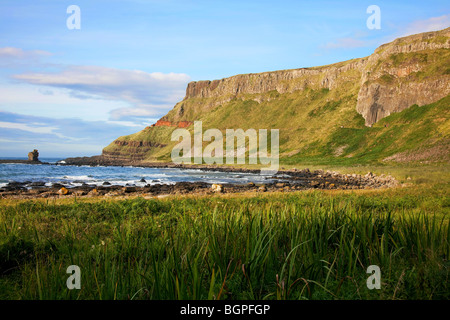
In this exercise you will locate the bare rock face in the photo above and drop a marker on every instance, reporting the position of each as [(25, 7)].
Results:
[(376, 101), (33, 156), (396, 77), (283, 81)]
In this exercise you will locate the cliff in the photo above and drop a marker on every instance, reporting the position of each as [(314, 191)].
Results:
[(390, 78), (410, 70), (315, 108)]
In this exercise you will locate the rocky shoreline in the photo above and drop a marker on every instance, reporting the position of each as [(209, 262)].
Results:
[(285, 181), (23, 161)]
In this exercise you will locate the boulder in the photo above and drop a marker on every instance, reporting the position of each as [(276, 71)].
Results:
[(63, 191), (314, 183), (217, 188), (128, 189)]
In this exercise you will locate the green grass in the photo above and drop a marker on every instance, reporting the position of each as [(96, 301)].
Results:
[(327, 107), (417, 128), (309, 245), (412, 57), (386, 79)]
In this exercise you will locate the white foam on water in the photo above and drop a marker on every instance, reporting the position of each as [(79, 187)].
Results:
[(121, 175), (84, 177), (76, 184), (153, 175)]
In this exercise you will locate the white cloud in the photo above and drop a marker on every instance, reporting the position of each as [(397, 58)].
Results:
[(431, 24), (25, 127), (150, 94), (18, 53), (29, 99), (38, 129), (13, 57), (126, 123), (134, 86), (146, 111), (419, 26), (20, 133)]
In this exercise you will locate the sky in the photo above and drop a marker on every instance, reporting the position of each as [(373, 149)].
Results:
[(71, 91)]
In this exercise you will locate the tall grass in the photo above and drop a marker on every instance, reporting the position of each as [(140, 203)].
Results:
[(299, 246)]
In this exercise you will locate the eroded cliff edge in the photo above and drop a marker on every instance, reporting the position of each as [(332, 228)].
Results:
[(410, 70)]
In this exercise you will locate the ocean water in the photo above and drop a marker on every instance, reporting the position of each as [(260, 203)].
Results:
[(76, 176)]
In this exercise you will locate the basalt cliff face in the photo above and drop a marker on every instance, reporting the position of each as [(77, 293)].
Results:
[(404, 72), (314, 107), (285, 81)]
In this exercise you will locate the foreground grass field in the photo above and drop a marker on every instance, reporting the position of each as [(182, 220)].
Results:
[(303, 245)]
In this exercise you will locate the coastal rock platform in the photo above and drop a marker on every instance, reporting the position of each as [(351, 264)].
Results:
[(284, 181)]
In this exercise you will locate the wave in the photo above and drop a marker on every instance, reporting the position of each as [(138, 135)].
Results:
[(152, 175), (118, 175), (83, 177)]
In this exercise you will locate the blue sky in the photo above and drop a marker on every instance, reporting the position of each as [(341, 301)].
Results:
[(71, 92)]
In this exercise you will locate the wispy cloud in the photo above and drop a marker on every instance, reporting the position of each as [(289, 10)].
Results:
[(431, 24), (145, 112), (37, 128), (347, 43), (146, 95), (364, 39), (149, 94), (18, 53), (72, 136), (12, 57)]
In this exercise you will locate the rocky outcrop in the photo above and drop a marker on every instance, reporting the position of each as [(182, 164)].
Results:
[(391, 79), (377, 101), (33, 156)]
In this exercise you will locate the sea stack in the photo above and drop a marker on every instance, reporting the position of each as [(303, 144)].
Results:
[(33, 156)]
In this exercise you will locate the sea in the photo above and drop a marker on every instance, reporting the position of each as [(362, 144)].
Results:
[(72, 176)]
